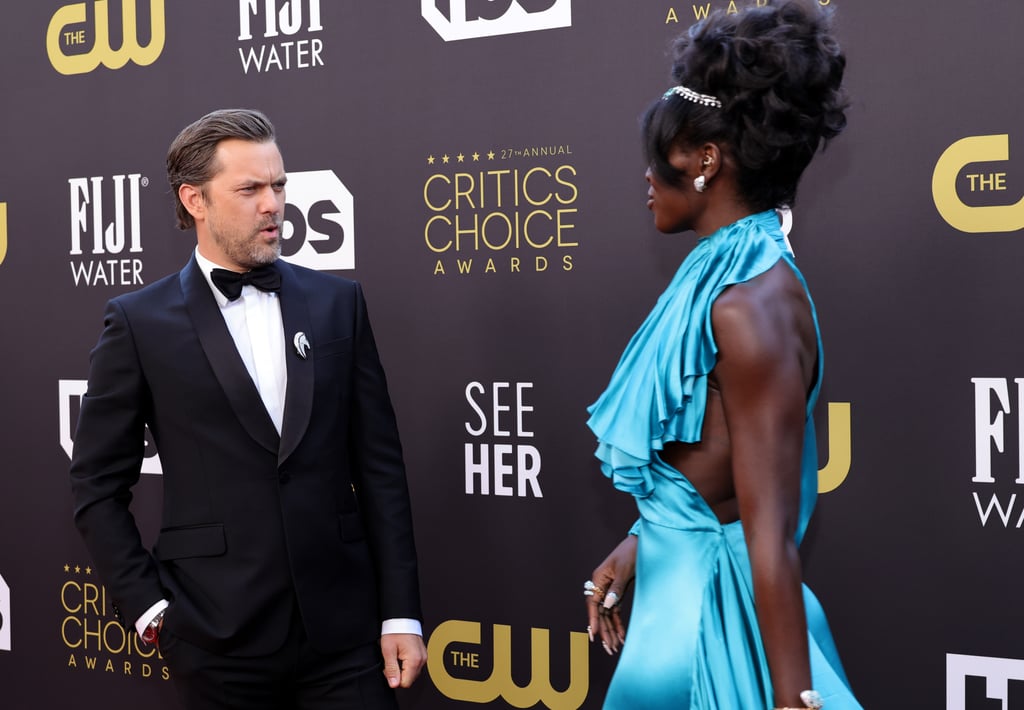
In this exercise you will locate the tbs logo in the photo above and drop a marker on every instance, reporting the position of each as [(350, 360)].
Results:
[(71, 393), (5, 615), (318, 222), (468, 19), (982, 683)]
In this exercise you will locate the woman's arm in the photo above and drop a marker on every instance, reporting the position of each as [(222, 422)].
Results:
[(766, 360)]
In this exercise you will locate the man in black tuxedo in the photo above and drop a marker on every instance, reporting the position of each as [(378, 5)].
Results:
[(284, 574)]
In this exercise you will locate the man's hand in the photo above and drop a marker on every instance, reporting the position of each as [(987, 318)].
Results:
[(404, 658)]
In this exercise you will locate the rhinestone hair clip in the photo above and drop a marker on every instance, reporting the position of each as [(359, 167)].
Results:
[(691, 95)]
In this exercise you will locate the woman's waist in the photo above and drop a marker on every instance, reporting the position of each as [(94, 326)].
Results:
[(698, 495)]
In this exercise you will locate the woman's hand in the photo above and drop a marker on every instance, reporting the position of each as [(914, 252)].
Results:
[(611, 578)]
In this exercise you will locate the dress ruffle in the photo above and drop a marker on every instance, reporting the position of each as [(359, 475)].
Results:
[(658, 391)]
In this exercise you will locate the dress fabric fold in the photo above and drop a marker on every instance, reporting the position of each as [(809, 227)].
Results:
[(693, 640)]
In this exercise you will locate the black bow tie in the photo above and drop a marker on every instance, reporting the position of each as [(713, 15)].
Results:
[(265, 278)]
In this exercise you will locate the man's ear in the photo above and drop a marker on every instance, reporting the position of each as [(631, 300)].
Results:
[(192, 197)]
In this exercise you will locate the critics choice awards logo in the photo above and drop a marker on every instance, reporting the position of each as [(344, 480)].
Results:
[(279, 35), (95, 640), (467, 667), (78, 38), (696, 11), (468, 19), (501, 211)]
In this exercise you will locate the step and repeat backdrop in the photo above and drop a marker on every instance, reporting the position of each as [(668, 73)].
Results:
[(476, 165)]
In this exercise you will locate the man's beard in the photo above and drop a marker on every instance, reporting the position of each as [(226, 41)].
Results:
[(252, 252), (263, 254)]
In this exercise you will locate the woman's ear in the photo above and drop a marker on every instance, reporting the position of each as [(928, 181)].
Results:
[(710, 161)]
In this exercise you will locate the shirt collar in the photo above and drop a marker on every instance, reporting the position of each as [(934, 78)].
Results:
[(207, 266)]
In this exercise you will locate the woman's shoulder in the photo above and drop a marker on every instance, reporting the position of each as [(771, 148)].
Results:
[(763, 312)]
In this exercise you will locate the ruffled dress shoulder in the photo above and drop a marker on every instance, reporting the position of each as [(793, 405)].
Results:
[(693, 641)]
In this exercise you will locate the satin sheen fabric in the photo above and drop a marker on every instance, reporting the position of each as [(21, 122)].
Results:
[(693, 640)]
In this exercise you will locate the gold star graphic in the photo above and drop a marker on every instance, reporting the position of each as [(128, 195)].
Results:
[(78, 569), (88, 570), (445, 159), (476, 156), (430, 160), (67, 568), (490, 155), (461, 157)]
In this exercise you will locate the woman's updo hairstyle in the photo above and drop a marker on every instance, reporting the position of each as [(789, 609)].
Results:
[(777, 71)]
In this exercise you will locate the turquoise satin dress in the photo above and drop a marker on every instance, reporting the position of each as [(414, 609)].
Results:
[(693, 641)]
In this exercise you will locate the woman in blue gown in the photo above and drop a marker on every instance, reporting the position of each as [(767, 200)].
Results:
[(707, 418)]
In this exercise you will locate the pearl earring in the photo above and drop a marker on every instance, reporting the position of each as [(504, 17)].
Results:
[(700, 184)]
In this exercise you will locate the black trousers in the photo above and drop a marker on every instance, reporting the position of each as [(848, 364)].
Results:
[(296, 677)]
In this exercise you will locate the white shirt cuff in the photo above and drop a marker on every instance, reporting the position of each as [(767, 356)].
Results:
[(143, 621), (401, 626)]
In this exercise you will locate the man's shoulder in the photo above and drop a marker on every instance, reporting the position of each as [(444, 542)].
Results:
[(158, 290)]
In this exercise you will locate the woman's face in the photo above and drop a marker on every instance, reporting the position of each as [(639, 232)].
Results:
[(675, 207)]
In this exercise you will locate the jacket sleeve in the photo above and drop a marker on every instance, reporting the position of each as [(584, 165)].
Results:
[(381, 483), (106, 463)]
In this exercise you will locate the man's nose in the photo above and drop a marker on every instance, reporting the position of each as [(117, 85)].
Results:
[(271, 200)]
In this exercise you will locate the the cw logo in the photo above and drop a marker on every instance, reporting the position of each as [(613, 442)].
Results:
[(500, 683), (466, 19), (839, 448), (974, 220), (3, 231), (102, 52)]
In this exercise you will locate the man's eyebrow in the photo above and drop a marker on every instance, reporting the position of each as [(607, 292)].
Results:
[(260, 182)]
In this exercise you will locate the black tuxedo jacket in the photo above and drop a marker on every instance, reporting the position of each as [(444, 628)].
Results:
[(251, 520)]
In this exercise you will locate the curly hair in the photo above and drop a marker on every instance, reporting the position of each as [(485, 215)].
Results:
[(778, 72), (192, 156)]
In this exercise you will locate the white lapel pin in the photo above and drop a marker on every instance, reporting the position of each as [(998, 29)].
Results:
[(302, 345)]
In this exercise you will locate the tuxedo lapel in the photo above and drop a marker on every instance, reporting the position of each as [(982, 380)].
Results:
[(224, 359), (299, 397)]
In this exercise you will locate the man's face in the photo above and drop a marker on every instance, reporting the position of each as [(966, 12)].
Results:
[(239, 226)]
